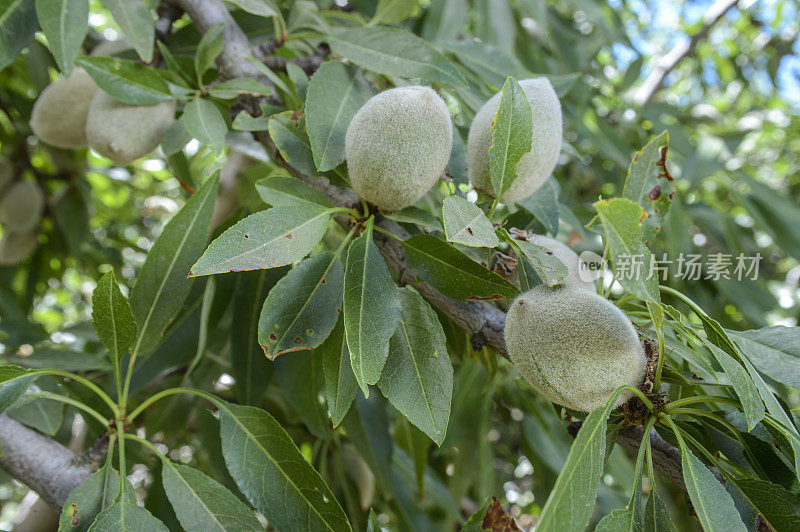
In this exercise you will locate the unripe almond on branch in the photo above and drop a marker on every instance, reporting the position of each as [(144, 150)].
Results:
[(398, 145), (535, 167), (59, 114), (569, 258), (573, 347), (123, 132), (14, 247), (21, 206)]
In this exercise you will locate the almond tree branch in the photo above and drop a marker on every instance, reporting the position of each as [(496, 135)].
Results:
[(669, 61), (41, 463), (483, 320)]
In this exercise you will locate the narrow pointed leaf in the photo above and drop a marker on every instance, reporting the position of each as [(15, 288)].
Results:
[(302, 308), (65, 24), (251, 369), (127, 81), (201, 503), (335, 94), (112, 318), (208, 49), (546, 265), (656, 515), (133, 16), (18, 25), (205, 123), (650, 184), (779, 507), (752, 403), (299, 376), (512, 130), (281, 191), (266, 239), (452, 272), (273, 475), (543, 204), (340, 382), (125, 516), (162, 284), (570, 504), (95, 494), (713, 505), (371, 309), (418, 377), (465, 223)]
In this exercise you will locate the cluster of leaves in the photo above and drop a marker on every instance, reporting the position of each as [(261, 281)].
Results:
[(367, 375)]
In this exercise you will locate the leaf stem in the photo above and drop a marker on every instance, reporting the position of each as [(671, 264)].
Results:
[(670, 407), (640, 394), (86, 382), (70, 401), (147, 444), (166, 393), (388, 233)]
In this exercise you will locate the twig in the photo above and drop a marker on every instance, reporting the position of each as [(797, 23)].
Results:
[(669, 61)]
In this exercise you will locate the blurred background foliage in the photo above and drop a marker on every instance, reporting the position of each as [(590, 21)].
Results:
[(731, 105)]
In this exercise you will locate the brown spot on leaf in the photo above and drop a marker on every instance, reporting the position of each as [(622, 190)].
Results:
[(497, 520), (469, 230), (288, 236), (324, 281), (655, 193), (662, 163), (75, 521), (246, 235), (298, 340), (296, 116), (272, 337)]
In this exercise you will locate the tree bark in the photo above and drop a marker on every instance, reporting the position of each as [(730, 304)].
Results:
[(41, 463)]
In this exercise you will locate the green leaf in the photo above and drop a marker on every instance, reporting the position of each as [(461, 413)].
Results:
[(201, 503), (656, 515), (232, 88), (273, 475), (373, 525), (371, 309), (418, 378), (133, 17), (127, 81), (393, 11), (367, 429), (300, 378), (65, 24), (465, 223), (251, 369), (95, 494), (743, 385), (18, 25), (395, 52), (266, 239), (547, 266), (14, 380), (125, 516), (208, 49), (416, 443), (543, 204), (287, 191), (492, 65), (288, 132), (205, 123), (335, 94), (246, 122), (162, 283), (713, 505), (41, 413), (775, 351), (452, 272), (112, 319), (63, 359), (263, 8), (302, 308), (175, 138), (650, 184), (415, 215), (622, 222), (570, 504), (779, 507), (340, 381), (512, 130)]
